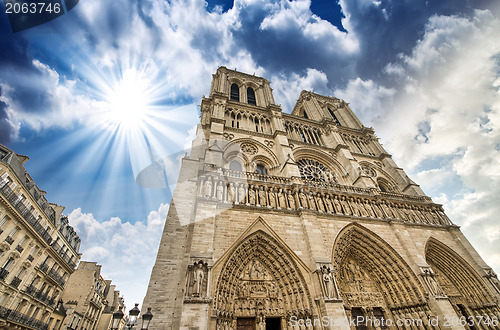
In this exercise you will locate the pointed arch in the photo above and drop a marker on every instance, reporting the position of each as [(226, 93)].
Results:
[(459, 280), (281, 289), (398, 283)]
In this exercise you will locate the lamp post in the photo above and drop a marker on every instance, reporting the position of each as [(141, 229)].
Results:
[(132, 320), (146, 318), (117, 318)]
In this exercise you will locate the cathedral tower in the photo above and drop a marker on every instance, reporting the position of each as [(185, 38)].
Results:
[(283, 219)]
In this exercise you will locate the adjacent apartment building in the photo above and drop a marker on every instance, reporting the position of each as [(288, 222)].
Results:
[(39, 250), (86, 298)]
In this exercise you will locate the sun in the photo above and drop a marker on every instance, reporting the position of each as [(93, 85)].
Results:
[(128, 100)]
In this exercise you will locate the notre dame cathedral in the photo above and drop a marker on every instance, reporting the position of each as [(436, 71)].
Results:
[(304, 221)]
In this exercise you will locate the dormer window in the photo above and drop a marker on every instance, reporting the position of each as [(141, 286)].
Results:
[(251, 96), (235, 93)]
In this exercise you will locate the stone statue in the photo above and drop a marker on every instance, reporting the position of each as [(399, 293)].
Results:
[(328, 203), (291, 201), (302, 198), (199, 275), (336, 203), (328, 282), (312, 203), (281, 199), (241, 194), (272, 198), (354, 206), (208, 188), (251, 195), (262, 196), (345, 206), (220, 192), (319, 202)]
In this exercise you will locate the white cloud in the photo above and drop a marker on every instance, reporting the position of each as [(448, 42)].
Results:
[(287, 88), (296, 15), (442, 118), (126, 251)]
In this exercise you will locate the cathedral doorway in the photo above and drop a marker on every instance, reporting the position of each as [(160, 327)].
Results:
[(273, 323), (459, 282), (260, 284), (375, 283), (247, 323)]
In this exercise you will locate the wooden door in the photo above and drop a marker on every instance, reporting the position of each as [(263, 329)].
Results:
[(245, 324)]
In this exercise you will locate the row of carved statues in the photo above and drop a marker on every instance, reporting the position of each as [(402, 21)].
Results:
[(280, 197)]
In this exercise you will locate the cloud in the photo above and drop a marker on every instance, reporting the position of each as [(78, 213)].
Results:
[(438, 111), (126, 251), (287, 87)]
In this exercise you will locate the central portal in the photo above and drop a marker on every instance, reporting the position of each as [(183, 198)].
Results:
[(245, 323), (259, 286)]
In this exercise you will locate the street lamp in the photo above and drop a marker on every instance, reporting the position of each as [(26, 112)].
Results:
[(146, 318), (117, 317), (133, 314)]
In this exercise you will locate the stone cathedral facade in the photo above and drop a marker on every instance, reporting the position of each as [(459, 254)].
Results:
[(303, 220)]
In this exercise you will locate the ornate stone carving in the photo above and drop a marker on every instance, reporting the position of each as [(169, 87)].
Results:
[(228, 136), (368, 171), (492, 278), (249, 149), (197, 280), (430, 281)]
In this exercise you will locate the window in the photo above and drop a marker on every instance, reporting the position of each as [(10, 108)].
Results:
[(261, 169), (312, 170), (251, 96), (334, 117), (235, 93), (8, 263), (235, 166), (305, 115)]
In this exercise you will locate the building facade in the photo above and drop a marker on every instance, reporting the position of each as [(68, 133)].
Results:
[(303, 220), (38, 250), (85, 297)]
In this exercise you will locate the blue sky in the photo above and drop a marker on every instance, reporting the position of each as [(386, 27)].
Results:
[(424, 74)]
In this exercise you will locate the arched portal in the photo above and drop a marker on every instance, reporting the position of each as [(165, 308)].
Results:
[(260, 283), (374, 280), (460, 282)]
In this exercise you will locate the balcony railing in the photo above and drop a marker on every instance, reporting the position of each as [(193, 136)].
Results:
[(3, 273), (64, 255), (22, 319), (44, 267), (9, 240), (26, 214), (30, 289), (15, 282), (56, 277)]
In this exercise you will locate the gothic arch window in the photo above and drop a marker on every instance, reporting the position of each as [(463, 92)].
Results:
[(235, 165), (312, 170), (261, 169), (235, 93), (333, 116), (251, 96), (305, 115), (384, 186)]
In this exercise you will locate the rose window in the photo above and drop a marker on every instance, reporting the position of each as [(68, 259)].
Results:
[(312, 170)]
